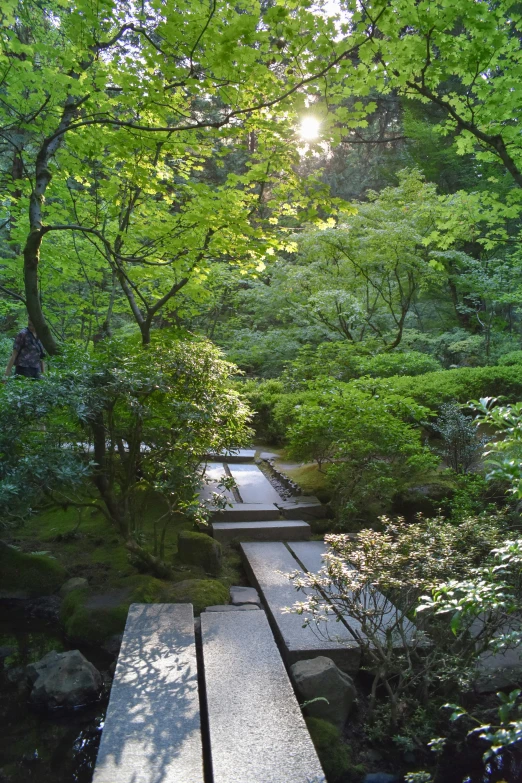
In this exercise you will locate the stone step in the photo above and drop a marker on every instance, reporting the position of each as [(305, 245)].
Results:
[(152, 728), (303, 508), (263, 530), (253, 485), (267, 565), (246, 512), (235, 456), (310, 555), (256, 729)]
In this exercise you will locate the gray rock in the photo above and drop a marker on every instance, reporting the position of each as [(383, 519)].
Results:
[(200, 549), (381, 777), (6, 652), (320, 677), (63, 680), (76, 583), (231, 608), (112, 645), (244, 595), (16, 674)]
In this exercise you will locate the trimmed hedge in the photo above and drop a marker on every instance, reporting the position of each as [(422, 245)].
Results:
[(462, 384)]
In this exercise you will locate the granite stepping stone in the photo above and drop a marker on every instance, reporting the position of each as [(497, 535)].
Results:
[(231, 608), (280, 530), (244, 595), (267, 565), (152, 729), (256, 729)]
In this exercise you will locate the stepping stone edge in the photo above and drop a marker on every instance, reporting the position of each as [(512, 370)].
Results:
[(262, 530)]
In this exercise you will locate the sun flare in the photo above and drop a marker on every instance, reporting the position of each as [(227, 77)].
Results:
[(309, 128)]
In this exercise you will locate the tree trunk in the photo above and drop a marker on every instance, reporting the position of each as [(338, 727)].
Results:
[(34, 307)]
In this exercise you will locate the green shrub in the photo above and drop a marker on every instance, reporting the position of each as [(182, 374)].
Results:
[(30, 575), (462, 384), (510, 359), (369, 452), (333, 754), (262, 397), (346, 361)]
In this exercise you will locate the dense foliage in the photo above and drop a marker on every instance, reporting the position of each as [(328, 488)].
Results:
[(130, 422), (167, 218)]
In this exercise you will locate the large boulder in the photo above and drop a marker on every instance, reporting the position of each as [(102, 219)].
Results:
[(91, 619), (76, 583), (200, 550), (320, 677), (28, 576), (63, 680)]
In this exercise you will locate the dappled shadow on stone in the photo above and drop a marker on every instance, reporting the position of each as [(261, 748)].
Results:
[(152, 730)]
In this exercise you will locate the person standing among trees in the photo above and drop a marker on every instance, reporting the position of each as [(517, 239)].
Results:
[(28, 354)]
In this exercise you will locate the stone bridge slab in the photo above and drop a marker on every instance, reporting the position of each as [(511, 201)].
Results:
[(152, 728), (279, 530), (246, 512), (310, 555), (253, 485), (267, 565), (257, 732)]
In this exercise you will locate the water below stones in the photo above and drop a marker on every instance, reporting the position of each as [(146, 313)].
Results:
[(40, 747)]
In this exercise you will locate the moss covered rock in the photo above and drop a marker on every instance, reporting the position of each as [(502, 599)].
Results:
[(333, 754), (199, 592), (24, 575), (93, 618), (200, 550)]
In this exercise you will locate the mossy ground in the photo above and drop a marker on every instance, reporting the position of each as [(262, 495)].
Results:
[(333, 753), (87, 546)]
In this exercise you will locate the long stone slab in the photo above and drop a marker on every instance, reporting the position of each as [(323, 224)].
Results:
[(257, 732), (253, 485), (214, 472), (246, 512), (310, 555), (152, 728), (267, 565), (261, 531)]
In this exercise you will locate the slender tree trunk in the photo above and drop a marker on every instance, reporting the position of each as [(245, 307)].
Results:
[(100, 476), (34, 307)]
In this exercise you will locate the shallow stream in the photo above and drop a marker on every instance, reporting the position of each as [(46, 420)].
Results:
[(56, 747)]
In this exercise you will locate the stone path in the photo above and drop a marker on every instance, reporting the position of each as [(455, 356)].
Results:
[(267, 565), (310, 557), (152, 728), (257, 516), (256, 729), (214, 473), (253, 486), (252, 730), (278, 530)]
